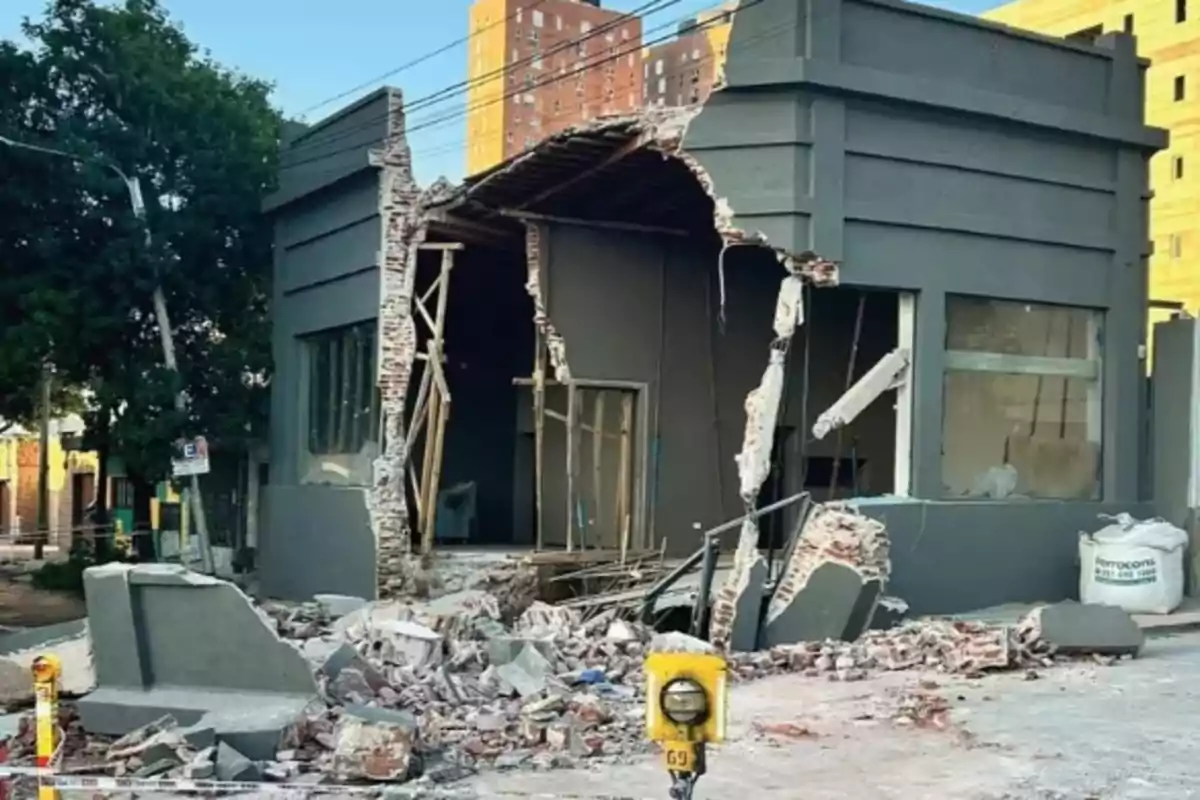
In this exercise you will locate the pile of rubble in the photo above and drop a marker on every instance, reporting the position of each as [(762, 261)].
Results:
[(451, 688), (1045, 636)]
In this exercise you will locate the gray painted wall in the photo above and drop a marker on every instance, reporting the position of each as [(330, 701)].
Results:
[(327, 243), (928, 151), (936, 153), (645, 308)]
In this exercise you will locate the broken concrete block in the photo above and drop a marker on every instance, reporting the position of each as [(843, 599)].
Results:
[(834, 603), (405, 642), (748, 607), (135, 741), (170, 641), (620, 631), (201, 766), (503, 650), (347, 662), (545, 621), (230, 765), (257, 732), (831, 585), (199, 736), (528, 673), (339, 605), (1076, 628), (374, 744), (150, 769)]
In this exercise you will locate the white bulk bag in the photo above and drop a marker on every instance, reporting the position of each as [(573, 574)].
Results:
[(1134, 564)]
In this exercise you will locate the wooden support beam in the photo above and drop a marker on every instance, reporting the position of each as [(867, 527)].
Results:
[(624, 491), (632, 146), (615, 225), (597, 433), (443, 246), (588, 383), (572, 461), (420, 408), (539, 430)]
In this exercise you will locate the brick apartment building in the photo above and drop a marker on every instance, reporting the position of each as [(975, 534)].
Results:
[(684, 70), (538, 66)]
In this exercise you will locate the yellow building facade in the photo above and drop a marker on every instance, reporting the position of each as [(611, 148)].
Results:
[(488, 29), (1168, 34)]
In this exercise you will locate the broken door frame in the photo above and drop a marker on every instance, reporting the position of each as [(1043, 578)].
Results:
[(635, 413), (431, 411), (906, 340)]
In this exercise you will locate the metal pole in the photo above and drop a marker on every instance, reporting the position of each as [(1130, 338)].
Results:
[(134, 186), (42, 536), (168, 345)]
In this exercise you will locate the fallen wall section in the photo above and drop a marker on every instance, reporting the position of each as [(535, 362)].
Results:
[(169, 641)]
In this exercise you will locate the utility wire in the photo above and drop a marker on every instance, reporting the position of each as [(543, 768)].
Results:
[(419, 59), (453, 116), (464, 87)]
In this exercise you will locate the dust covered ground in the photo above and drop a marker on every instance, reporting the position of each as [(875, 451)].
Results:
[(1080, 732)]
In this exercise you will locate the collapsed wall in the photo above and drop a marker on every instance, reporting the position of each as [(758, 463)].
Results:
[(400, 204)]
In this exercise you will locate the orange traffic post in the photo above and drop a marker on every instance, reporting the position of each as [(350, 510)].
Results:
[(46, 672)]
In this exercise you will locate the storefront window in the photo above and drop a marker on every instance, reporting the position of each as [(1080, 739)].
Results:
[(342, 426), (1022, 400)]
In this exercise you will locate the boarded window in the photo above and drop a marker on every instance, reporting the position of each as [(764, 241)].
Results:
[(343, 400), (1022, 400)]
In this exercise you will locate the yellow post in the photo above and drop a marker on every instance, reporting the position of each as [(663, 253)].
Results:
[(46, 671)]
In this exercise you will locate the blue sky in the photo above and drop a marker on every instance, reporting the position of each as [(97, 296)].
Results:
[(315, 49)]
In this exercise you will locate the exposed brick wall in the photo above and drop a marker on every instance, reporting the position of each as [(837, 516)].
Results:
[(556, 346), (400, 201)]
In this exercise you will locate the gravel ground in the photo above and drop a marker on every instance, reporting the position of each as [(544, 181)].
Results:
[(1084, 732)]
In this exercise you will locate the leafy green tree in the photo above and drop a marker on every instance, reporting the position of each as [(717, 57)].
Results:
[(123, 88)]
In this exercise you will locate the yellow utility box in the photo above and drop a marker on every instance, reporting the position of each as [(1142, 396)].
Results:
[(686, 709)]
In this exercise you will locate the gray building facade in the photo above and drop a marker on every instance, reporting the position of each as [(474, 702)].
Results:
[(984, 193)]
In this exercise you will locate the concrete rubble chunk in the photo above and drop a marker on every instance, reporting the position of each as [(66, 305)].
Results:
[(374, 744), (406, 643), (230, 765), (201, 765), (1076, 628), (339, 605), (359, 673), (528, 673), (503, 650), (167, 641), (830, 587), (832, 604)]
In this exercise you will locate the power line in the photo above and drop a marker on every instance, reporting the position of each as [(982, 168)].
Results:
[(463, 87), (522, 90), (418, 60)]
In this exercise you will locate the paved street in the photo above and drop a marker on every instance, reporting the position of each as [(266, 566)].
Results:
[(1127, 731)]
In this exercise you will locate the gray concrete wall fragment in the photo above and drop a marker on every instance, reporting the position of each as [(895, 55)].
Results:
[(169, 641)]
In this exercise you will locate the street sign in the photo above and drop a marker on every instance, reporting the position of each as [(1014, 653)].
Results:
[(192, 458)]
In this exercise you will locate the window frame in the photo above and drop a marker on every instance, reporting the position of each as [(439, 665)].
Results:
[(1090, 369), (346, 434)]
